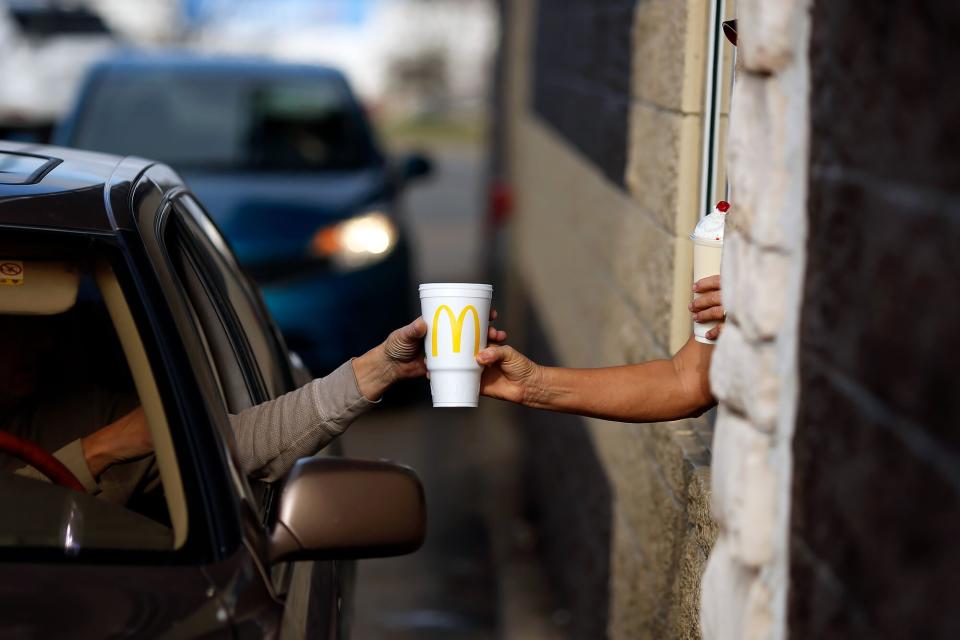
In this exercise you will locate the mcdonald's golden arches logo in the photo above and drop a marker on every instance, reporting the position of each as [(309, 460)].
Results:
[(456, 326)]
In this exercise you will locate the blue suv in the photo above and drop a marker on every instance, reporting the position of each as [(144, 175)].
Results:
[(288, 166)]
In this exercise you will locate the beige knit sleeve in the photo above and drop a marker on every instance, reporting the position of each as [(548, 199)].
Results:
[(273, 435)]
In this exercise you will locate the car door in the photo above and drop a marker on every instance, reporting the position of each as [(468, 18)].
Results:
[(242, 337)]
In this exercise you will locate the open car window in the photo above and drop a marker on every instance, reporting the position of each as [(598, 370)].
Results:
[(245, 351), (79, 405), (236, 383)]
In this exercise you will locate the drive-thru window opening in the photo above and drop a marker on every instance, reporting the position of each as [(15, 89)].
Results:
[(718, 86)]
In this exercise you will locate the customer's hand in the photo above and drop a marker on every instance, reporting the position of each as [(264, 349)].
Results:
[(707, 305), (123, 440), (403, 351)]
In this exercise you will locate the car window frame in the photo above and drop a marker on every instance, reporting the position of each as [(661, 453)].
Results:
[(261, 322), (265, 494), (235, 364), (261, 495)]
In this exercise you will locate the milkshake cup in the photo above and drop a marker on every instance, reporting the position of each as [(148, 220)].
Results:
[(707, 251), (457, 317)]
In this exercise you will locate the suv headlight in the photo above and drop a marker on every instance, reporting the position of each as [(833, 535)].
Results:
[(356, 242)]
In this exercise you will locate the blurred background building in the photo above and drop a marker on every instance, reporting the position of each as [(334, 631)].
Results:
[(407, 57), (403, 57)]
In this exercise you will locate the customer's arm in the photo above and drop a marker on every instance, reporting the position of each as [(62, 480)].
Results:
[(270, 436), (273, 435)]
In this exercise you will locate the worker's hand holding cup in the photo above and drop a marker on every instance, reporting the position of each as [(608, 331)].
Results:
[(458, 318)]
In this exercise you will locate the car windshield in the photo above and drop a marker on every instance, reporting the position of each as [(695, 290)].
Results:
[(210, 121)]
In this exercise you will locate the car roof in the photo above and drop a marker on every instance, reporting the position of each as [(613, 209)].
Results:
[(56, 188), (196, 62)]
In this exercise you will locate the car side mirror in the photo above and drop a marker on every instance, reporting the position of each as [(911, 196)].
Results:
[(416, 166), (342, 509)]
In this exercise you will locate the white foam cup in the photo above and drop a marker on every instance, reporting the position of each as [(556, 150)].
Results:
[(457, 316)]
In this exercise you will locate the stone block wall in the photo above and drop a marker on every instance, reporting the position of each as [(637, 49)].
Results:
[(753, 373)]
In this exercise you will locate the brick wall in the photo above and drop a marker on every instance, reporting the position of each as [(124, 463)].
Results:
[(836, 455), (876, 490)]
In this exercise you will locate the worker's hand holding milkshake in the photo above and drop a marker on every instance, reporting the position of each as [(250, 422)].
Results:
[(653, 391), (707, 251)]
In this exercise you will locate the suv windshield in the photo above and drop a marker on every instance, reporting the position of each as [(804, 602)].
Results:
[(226, 121)]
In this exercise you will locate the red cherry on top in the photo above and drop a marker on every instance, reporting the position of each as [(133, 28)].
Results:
[(723, 206)]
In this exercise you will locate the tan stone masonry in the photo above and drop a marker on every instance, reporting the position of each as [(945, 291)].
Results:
[(754, 371)]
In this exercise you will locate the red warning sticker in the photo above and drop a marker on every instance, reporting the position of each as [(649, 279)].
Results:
[(11, 272)]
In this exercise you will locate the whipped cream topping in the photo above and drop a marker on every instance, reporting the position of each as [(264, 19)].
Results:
[(710, 227)]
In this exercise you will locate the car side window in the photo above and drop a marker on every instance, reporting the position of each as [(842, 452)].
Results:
[(253, 324), (245, 349)]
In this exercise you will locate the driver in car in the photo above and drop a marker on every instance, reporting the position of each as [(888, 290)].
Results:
[(270, 436)]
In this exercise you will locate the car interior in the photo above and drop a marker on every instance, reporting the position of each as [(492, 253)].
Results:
[(73, 363)]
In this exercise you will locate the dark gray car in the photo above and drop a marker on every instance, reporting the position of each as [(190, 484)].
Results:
[(117, 290)]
